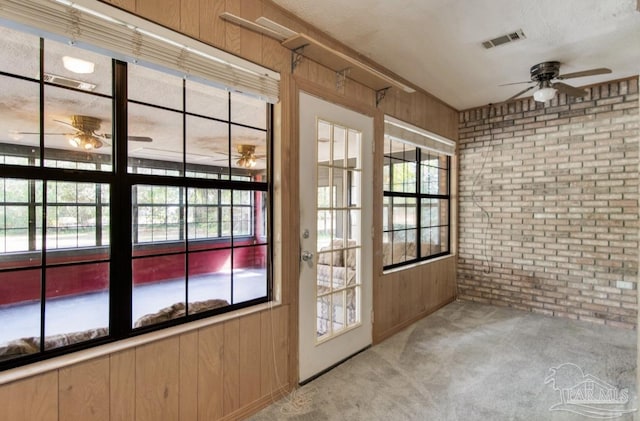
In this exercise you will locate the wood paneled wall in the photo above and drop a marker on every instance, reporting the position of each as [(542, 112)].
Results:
[(404, 297), (223, 371), (231, 369)]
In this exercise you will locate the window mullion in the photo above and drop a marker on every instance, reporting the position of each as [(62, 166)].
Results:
[(121, 202)]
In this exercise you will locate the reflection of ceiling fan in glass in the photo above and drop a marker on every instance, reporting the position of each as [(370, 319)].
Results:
[(247, 156), (86, 134)]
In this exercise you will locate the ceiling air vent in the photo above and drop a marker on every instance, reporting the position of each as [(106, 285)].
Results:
[(69, 83), (504, 39)]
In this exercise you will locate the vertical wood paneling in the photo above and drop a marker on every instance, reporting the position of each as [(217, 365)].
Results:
[(275, 347), (190, 17), (210, 370), (189, 376), (34, 398), (250, 364), (231, 364), (251, 42), (273, 55), (122, 385), (402, 297), (281, 342), (83, 391), (129, 5), (158, 380), (164, 12), (232, 32), (212, 28)]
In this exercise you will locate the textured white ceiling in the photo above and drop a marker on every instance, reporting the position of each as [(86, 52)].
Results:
[(436, 44)]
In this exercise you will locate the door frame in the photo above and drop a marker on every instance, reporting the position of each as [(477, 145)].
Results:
[(367, 261), (286, 186)]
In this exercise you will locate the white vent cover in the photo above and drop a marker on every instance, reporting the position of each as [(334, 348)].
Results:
[(504, 39), (69, 83)]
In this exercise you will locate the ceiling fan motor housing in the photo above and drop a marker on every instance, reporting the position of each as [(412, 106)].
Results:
[(545, 71), (85, 123)]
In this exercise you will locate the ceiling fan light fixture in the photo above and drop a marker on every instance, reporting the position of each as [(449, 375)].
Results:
[(247, 156), (545, 93), (246, 162), (77, 65), (85, 141)]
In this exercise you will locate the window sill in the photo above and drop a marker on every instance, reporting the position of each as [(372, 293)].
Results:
[(41, 367), (417, 264)]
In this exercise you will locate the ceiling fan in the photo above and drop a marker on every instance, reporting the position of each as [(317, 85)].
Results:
[(85, 135), (543, 76), (246, 155)]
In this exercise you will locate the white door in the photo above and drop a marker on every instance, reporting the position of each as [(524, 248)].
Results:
[(336, 158)]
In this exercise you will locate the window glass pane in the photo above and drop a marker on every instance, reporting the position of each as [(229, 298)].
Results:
[(74, 215), (20, 312), (203, 219), (157, 214), (207, 145), (159, 289), (155, 140), (19, 122), (84, 290), (153, 87), (18, 219), (260, 217), (206, 100), (248, 111), (249, 273), (19, 53), (70, 66), (249, 149), (77, 127), (354, 149), (339, 146), (209, 280)]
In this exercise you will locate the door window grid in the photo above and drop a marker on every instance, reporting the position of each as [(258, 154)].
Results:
[(338, 236)]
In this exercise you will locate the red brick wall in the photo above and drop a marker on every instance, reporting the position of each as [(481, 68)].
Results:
[(549, 205)]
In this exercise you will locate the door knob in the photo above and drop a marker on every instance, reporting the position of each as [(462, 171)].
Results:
[(306, 256)]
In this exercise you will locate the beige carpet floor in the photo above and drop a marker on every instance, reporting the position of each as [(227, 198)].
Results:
[(470, 361)]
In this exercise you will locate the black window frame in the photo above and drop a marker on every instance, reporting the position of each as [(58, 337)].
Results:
[(418, 196), (121, 183)]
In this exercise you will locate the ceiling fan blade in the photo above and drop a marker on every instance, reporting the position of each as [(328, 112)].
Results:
[(517, 83), (140, 139), (569, 90), (65, 123), (591, 72), (46, 134), (131, 138), (520, 93)]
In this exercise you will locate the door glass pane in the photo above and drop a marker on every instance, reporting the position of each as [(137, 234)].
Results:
[(339, 195)]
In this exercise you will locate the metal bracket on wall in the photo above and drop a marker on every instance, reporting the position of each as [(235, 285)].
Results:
[(341, 78), (380, 94), (296, 57)]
